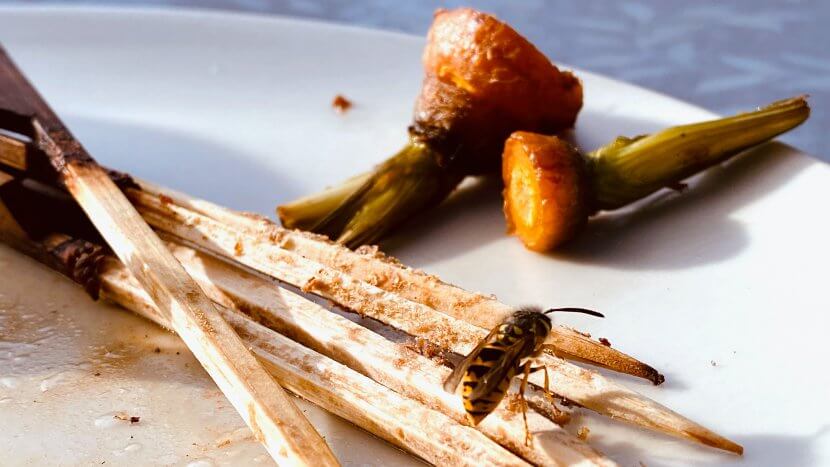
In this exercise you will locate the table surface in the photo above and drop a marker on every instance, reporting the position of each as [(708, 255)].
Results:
[(724, 56)]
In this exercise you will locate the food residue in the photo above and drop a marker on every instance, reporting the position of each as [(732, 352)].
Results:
[(605, 342), (130, 418), (341, 104), (583, 433)]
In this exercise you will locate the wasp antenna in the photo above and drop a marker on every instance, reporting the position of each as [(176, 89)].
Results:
[(575, 310)]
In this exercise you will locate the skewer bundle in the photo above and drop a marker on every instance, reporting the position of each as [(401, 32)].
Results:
[(247, 265)]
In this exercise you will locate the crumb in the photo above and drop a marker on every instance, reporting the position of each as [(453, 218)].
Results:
[(224, 443), (238, 249), (583, 433), (341, 104), (157, 350), (178, 353), (131, 436), (309, 284), (605, 342), (513, 403), (131, 418), (583, 334), (713, 363), (678, 187), (165, 200), (561, 417), (97, 373), (427, 349)]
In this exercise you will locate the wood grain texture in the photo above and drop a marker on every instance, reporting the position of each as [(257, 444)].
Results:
[(269, 256), (264, 405)]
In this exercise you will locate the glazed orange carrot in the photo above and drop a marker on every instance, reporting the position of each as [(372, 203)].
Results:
[(546, 196), (482, 81)]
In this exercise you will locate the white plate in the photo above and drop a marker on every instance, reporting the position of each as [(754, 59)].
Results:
[(720, 287)]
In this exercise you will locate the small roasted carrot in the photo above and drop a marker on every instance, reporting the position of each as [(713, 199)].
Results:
[(546, 199), (482, 81), (551, 189)]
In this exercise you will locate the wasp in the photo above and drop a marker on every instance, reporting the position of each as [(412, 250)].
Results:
[(508, 350)]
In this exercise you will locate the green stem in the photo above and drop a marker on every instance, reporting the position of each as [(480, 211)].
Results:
[(629, 169), (305, 212), (403, 186)]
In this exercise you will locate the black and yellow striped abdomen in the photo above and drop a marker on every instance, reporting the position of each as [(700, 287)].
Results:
[(493, 365), (485, 373)]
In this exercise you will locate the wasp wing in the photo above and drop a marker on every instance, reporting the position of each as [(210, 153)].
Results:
[(489, 381), (452, 381)]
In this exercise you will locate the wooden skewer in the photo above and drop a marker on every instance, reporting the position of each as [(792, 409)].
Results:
[(396, 366), (586, 387), (344, 392), (265, 407), (370, 265), (165, 212), (386, 273), (330, 385)]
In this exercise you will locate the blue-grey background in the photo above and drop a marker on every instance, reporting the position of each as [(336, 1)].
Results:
[(726, 56)]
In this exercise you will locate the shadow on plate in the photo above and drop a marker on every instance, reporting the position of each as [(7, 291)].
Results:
[(646, 447), (200, 167), (470, 218), (670, 230)]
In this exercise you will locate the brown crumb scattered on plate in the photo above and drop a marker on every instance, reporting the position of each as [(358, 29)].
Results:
[(514, 403), (341, 104), (605, 342), (130, 418)]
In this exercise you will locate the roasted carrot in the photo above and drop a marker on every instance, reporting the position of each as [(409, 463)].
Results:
[(482, 81), (546, 196), (551, 189)]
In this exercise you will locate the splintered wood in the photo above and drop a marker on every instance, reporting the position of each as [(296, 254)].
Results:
[(404, 422), (270, 250), (398, 377), (373, 267), (276, 422), (394, 365)]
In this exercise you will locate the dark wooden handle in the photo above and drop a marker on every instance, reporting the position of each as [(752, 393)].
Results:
[(18, 96), (23, 110)]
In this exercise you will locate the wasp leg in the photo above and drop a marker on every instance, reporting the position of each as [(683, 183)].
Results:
[(522, 388), (548, 394)]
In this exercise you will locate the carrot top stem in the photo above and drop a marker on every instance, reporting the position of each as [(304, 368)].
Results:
[(629, 169), (406, 184), (307, 211)]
